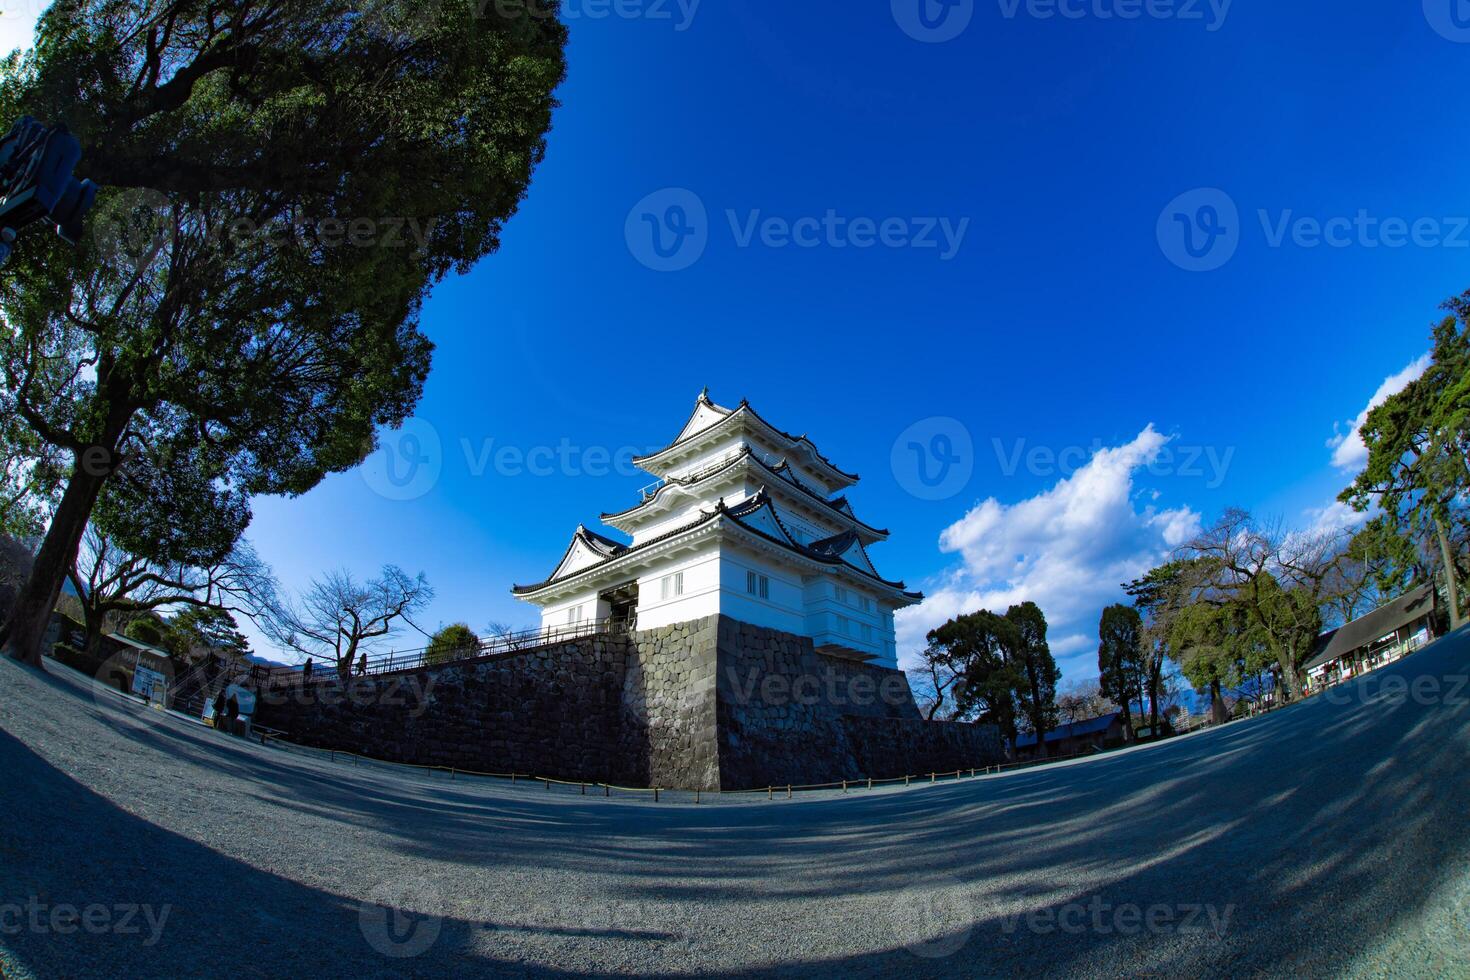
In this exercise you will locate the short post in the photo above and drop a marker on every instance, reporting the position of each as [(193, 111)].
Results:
[(844, 786), (972, 774), (933, 778), (584, 789), (788, 791), (606, 790), (905, 780), (548, 786), (512, 778), (696, 797), (870, 782), (655, 794), (451, 774), (769, 791)]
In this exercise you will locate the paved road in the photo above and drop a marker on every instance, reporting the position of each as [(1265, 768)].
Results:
[(1328, 839)]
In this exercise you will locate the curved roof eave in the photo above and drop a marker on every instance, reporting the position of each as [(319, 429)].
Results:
[(745, 408)]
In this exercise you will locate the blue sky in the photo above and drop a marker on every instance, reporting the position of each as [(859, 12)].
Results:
[(1067, 157)]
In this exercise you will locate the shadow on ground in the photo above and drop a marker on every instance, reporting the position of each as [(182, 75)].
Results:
[(1324, 839)]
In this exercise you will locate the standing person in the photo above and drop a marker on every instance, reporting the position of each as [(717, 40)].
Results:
[(306, 672), (362, 665), (219, 710), (232, 712)]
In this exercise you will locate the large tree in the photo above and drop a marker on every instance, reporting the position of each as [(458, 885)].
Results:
[(1035, 669), (1120, 659), (970, 657), (1418, 470), (112, 582), (283, 182), (1282, 580)]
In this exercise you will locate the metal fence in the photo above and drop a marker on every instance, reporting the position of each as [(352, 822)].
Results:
[(504, 644)]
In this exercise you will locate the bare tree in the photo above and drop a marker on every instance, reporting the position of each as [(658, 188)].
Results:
[(1083, 701), (1283, 580), (341, 619), (111, 582)]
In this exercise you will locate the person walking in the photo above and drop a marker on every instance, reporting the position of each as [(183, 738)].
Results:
[(362, 665), (232, 713), (219, 710)]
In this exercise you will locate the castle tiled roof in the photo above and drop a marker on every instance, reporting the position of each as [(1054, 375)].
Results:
[(757, 516)]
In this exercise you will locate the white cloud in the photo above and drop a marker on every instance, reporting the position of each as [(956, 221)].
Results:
[(18, 24), (1336, 516), (1348, 450), (1067, 549)]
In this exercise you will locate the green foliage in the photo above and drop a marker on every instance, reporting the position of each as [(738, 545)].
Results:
[(975, 647), (1418, 469), (451, 642), (1036, 669), (1000, 669), (1120, 656), (282, 185), (210, 627)]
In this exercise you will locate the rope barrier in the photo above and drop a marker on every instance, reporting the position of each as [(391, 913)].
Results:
[(659, 792)]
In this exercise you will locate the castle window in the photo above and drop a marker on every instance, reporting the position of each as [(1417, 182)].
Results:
[(758, 585), (844, 625), (672, 585), (866, 603), (841, 595), (574, 615)]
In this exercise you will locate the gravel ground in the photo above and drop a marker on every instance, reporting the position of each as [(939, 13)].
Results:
[(1328, 839)]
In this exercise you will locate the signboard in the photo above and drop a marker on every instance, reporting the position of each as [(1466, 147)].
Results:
[(150, 684)]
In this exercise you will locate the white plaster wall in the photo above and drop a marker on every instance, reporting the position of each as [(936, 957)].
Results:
[(701, 595), (556, 616), (782, 609)]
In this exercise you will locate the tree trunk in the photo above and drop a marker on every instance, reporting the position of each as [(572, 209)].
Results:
[(1127, 721), (31, 613), (1154, 676), (1218, 714), (1451, 579)]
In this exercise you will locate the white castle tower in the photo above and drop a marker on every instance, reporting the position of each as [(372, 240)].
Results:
[(743, 522)]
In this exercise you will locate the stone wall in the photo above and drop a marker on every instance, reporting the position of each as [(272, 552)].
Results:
[(790, 715), (556, 711), (708, 704)]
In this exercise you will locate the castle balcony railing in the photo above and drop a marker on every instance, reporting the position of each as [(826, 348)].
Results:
[(499, 644)]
